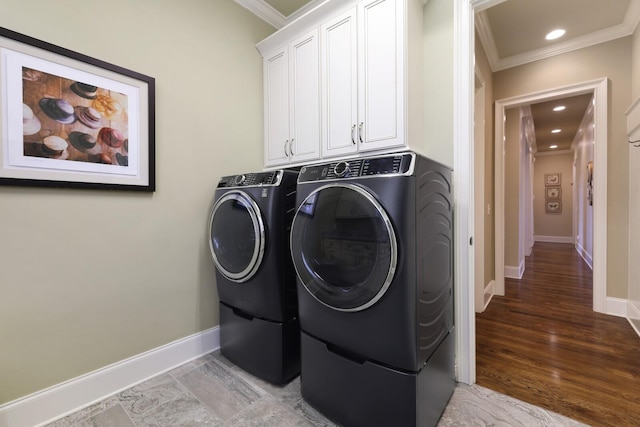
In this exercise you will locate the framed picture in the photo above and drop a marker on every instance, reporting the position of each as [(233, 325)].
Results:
[(553, 193), (551, 179), (69, 120), (553, 206)]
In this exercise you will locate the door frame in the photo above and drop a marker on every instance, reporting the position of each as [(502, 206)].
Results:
[(599, 89), (463, 79)]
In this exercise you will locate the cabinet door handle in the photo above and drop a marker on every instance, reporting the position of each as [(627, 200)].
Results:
[(285, 148), (353, 139), (291, 147), (360, 131)]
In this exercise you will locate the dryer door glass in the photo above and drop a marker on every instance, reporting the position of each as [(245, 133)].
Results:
[(236, 236), (343, 247)]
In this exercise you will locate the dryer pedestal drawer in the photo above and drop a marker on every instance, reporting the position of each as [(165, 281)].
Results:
[(364, 394), (269, 350)]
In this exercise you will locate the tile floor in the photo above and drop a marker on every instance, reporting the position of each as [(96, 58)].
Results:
[(212, 391)]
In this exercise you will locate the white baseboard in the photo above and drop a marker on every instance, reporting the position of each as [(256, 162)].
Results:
[(616, 307), (585, 255), (63, 399), (489, 292), (513, 272), (633, 316), (553, 239)]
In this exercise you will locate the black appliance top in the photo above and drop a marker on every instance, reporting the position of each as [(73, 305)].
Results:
[(391, 164), (272, 178)]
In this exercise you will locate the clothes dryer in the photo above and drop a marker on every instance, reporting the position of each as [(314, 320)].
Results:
[(372, 245), (249, 228)]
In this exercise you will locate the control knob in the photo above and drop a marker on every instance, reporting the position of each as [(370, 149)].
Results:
[(240, 179), (341, 169)]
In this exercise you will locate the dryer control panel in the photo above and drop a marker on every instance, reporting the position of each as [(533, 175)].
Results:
[(272, 178), (391, 164)]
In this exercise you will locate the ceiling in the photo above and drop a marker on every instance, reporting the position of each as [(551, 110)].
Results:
[(568, 121), (512, 33)]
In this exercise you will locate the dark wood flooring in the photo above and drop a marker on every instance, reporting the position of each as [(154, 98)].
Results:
[(543, 343)]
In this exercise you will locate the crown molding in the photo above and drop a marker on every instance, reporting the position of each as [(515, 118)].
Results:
[(486, 38), (265, 12), (271, 16)]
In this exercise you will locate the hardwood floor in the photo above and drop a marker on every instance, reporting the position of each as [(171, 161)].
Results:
[(542, 343)]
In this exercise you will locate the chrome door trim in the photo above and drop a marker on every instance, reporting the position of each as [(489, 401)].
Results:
[(258, 227), (390, 232)]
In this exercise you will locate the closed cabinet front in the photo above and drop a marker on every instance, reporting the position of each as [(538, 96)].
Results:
[(340, 85), (292, 102), (362, 78), (336, 81)]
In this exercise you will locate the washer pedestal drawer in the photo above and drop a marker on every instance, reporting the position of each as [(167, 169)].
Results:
[(269, 350), (358, 393)]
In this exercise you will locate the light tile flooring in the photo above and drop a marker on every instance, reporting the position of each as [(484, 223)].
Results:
[(212, 391)]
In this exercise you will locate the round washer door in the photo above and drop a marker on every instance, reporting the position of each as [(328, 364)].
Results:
[(236, 236), (343, 247)]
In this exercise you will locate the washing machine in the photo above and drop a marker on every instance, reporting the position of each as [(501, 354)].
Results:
[(249, 228), (372, 246)]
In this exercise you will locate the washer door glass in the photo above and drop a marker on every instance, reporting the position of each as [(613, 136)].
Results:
[(236, 236), (343, 247)]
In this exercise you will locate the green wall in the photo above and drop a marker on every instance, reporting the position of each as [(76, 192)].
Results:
[(87, 277)]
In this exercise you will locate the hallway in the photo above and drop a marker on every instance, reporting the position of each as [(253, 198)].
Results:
[(543, 344)]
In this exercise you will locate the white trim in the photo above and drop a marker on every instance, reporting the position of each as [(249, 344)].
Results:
[(633, 316), (55, 402), (616, 307), (602, 36), (553, 239), (498, 197), (489, 290), (463, 87), (586, 256), (514, 272), (265, 12), (304, 9), (600, 89)]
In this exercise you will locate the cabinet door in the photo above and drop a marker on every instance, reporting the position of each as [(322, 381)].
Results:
[(304, 98), (276, 107), (381, 78), (339, 85)]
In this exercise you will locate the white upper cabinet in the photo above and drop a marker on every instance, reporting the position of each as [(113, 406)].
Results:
[(276, 107), (292, 102), (380, 74), (353, 96), (339, 85), (362, 78)]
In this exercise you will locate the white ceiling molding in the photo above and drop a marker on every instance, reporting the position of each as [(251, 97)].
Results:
[(480, 5), (271, 16), (265, 12), (486, 38), (304, 9), (631, 20), (592, 39)]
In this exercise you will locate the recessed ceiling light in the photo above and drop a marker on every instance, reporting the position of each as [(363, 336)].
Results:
[(555, 34), (553, 146), (556, 131), (559, 108)]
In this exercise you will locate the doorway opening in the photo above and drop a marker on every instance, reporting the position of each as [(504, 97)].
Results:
[(599, 90)]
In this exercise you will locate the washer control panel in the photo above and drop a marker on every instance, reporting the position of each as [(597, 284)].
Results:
[(251, 179), (392, 164)]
